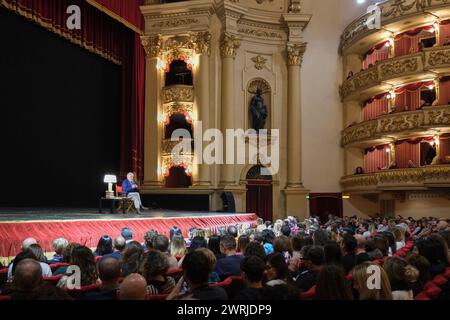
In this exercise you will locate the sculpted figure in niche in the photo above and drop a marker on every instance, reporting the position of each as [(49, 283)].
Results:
[(258, 111)]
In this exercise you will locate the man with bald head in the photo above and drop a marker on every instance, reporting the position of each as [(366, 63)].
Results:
[(360, 252), (27, 279), (109, 273), (28, 242), (133, 287), (119, 247)]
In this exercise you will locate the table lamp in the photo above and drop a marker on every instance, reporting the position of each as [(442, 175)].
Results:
[(110, 179)]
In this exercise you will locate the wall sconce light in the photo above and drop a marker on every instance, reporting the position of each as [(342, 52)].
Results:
[(162, 118), (192, 60), (161, 65), (388, 150), (430, 87), (391, 95)]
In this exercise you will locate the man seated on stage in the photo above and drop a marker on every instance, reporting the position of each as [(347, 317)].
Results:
[(132, 189)]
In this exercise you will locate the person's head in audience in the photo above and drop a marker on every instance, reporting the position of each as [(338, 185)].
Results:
[(228, 245), (243, 242), (196, 269), (210, 256), (38, 252), (252, 270), (161, 243), (175, 231), (332, 253), (299, 241), (104, 246), (149, 237), (232, 231), (155, 266), (320, 237), (401, 275), (131, 258), (441, 225), (331, 284), (119, 243), (59, 245), (109, 272), (313, 258), (361, 242), (133, 287), (282, 244), (177, 245), (361, 274), (348, 245), (84, 258), (67, 254), (23, 255), (443, 248), (214, 244), (421, 264), (268, 236), (276, 268), (28, 242), (255, 248), (382, 244), (258, 237), (398, 234), (286, 230), (391, 241), (27, 277), (127, 233), (198, 242)]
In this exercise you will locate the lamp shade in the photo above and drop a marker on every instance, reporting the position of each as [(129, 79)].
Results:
[(110, 178)]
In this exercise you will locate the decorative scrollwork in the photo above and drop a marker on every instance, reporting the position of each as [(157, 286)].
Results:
[(390, 69), (178, 94)]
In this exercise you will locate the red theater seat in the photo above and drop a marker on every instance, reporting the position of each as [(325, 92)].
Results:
[(55, 266), (447, 273), (431, 290), (440, 280), (54, 279), (422, 296), (5, 297), (309, 294), (224, 283)]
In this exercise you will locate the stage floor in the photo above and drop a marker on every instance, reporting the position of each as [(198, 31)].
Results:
[(28, 214), (86, 226)]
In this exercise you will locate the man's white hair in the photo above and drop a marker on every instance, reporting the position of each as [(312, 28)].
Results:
[(59, 245), (28, 242)]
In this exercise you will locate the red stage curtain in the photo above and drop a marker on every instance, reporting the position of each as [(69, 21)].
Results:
[(259, 198), (376, 158), (375, 108), (405, 152), (126, 11), (444, 91), (323, 204)]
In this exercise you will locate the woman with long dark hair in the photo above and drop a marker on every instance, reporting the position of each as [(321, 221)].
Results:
[(104, 246), (331, 284)]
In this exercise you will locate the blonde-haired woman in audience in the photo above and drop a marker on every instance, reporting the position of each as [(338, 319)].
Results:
[(360, 282), (399, 236), (402, 277)]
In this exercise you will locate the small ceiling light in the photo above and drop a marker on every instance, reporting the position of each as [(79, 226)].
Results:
[(360, 1)]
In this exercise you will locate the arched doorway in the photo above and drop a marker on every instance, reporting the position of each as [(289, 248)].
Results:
[(259, 193)]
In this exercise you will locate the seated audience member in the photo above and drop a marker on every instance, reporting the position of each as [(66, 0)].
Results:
[(131, 258), (423, 266), (213, 276), (29, 285), (174, 231), (313, 259), (198, 242), (67, 254), (282, 292), (332, 284), (252, 273), (402, 277), (320, 237), (104, 246), (127, 233), (154, 270), (348, 247), (130, 187), (161, 244), (277, 271), (268, 237), (378, 246), (443, 248), (177, 246), (109, 273), (59, 245), (286, 230), (446, 236), (28, 242), (119, 248), (333, 254), (38, 253), (360, 252), (214, 246), (133, 287), (28, 254), (83, 258), (230, 264), (232, 231), (282, 244), (433, 252), (360, 276), (391, 242), (242, 243), (149, 237), (196, 273), (399, 238), (255, 248)]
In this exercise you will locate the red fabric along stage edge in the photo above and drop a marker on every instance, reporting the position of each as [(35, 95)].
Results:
[(88, 232)]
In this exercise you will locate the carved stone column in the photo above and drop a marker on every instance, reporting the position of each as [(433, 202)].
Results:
[(152, 46), (228, 48), (201, 43), (296, 202)]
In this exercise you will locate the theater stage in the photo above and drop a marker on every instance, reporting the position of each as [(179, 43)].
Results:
[(86, 226)]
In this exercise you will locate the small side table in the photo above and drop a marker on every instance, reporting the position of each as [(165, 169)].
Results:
[(113, 202)]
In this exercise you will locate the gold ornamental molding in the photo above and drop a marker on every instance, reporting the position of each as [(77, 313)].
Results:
[(391, 11), (200, 42), (178, 93), (177, 107), (395, 124), (229, 45), (295, 52), (398, 179), (168, 145), (152, 45), (435, 61)]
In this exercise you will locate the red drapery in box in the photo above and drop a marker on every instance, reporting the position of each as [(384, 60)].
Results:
[(445, 148), (376, 158), (444, 30), (404, 152), (375, 107), (444, 91), (408, 42), (408, 97), (377, 53), (102, 34)]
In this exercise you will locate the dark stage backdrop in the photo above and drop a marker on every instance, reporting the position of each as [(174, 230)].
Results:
[(60, 118)]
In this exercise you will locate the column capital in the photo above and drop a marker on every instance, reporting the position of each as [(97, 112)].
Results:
[(295, 6), (200, 42), (295, 53), (229, 45), (152, 45)]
